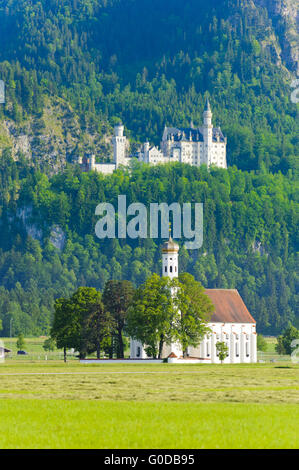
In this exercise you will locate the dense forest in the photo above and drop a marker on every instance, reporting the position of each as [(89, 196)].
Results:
[(250, 237), (148, 63)]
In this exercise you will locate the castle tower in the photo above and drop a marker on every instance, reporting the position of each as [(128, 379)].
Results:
[(92, 162), (170, 251), (207, 133), (119, 145)]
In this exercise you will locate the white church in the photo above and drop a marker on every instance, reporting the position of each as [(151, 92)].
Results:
[(231, 323), (194, 145)]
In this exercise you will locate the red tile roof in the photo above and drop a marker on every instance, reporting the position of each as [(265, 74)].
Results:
[(229, 306)]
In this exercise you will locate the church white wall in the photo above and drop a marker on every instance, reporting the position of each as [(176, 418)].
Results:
[(240, 338), (137, 350)]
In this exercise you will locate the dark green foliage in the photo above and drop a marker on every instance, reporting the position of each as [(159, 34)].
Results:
[(80, 322), (117, 296), (21, 342), (284, 341), (150, 62), (222, 350), (49, 344), (194, 310), (262, 344), (151, 314), (250, 238)]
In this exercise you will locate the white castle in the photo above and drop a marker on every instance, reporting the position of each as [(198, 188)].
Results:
[(230, 323), (194, 145)]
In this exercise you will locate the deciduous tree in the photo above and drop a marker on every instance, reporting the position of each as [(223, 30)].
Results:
[(222, 350), (151, 314), (193, 310), (116, 298)]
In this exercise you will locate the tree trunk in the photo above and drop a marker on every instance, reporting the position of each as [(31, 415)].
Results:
[(161, 343), (98, 350), (64, 354), (120, 345)]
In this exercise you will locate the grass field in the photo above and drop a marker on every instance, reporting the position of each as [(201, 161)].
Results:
[(57, 405), (92, 424)]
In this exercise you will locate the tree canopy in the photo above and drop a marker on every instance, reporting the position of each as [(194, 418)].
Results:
[(80, 322), (250, 238), (166, 311)]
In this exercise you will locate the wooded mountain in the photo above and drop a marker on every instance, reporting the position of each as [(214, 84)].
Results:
[(72, 69)]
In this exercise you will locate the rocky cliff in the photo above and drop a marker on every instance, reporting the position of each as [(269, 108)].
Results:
[(55, 137), (285, 18)]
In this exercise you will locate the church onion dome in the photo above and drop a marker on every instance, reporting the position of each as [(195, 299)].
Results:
[(170, 246)]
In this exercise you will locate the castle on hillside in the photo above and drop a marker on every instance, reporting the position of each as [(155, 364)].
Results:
[(194, 145)]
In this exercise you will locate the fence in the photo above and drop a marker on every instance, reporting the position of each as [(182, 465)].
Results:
[(58, 356), (272, 357), (39, 356)]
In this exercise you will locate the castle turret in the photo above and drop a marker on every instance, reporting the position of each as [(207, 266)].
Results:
[(119, 145), (146, 147), (207, 133), (93, 162), (119, 130)]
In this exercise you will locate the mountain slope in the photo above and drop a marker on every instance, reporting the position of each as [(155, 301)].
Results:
[(49, 248), (150, 63), (285, 17), (72, 69)]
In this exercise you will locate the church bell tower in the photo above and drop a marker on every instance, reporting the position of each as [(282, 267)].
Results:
[(170, 251)]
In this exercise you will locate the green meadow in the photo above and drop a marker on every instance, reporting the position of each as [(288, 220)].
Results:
[(57, 405), (110, 424)]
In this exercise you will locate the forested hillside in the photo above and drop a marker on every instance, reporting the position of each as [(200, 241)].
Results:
[(250, 237), (72, 69)]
